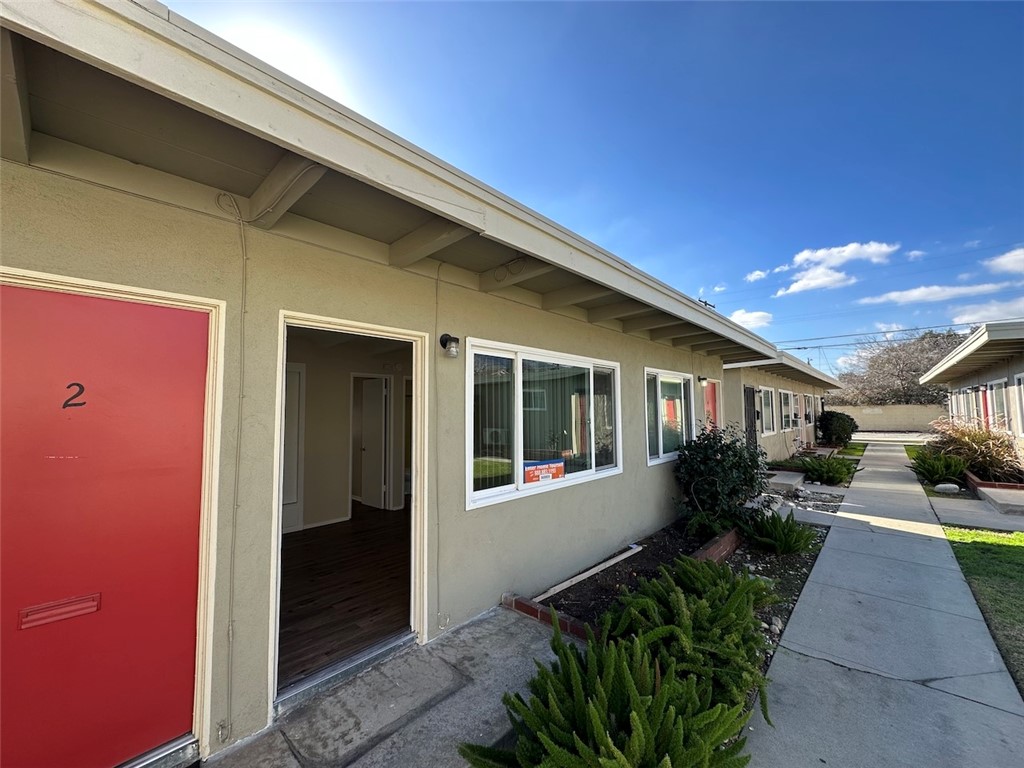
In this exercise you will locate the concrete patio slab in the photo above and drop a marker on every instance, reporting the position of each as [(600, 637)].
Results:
[(996, 689), (889, 637), (895, 546), (913, 583), (828, 715), (1007, 501), (784, 482), (975, 513), (267, 750)]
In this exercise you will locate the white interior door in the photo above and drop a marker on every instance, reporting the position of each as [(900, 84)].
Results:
[(294, 418), (374, 446)]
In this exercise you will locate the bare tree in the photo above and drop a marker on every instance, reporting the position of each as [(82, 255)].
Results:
[(887, 370)]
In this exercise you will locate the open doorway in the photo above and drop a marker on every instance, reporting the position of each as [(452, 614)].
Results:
[(346, 551)]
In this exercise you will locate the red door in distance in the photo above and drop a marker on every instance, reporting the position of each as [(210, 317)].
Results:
[(101, 457)]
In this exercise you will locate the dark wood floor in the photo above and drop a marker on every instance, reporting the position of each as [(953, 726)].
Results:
[(344, 587)]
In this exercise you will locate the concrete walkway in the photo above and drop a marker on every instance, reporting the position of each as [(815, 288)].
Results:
[(886, 660)]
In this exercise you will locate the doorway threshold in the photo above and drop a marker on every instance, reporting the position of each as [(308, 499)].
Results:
[(305, 689), (183, 751)]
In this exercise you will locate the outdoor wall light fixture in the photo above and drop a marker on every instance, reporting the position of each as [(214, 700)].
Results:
[(450, 344), (702, 380)]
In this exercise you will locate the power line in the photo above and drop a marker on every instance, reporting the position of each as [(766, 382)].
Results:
[(866, 342), (866, 333)]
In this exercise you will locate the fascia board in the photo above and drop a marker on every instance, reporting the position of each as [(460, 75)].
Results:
[(187, 64), (975, 342)]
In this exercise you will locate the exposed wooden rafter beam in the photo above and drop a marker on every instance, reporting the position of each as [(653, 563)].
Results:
[(290, 179), (648, 322), (15, 118), (677, 331), (617, 310), (693, 339), (574, 294), (432, 237), (513, 272)]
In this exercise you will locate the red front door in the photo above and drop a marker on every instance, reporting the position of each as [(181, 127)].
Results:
[(101, 452)]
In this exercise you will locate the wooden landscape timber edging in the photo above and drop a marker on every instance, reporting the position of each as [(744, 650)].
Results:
[(718, 550)]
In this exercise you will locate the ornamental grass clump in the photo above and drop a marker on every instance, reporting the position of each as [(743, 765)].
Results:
[(700, 616), (614, 705), (992, 456), (933, 467), (778, 534), (717, 474)]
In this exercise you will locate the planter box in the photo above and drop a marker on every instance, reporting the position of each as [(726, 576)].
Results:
[(974, 483)]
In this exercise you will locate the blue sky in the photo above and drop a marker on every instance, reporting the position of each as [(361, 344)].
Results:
[(812, 169)]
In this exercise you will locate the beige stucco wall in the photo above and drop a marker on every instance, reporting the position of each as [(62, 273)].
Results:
[(1006, 371), (59, 225), (783, 443), (893, 418)]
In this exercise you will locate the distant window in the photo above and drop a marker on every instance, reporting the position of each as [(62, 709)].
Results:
[(767, 411), (997, 405), (786, 410)]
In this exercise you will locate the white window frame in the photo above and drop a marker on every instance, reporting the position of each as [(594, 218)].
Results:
[(519, 488), (786, 414), (764, 416), (664, 458), (990, 397), (1018, 386)]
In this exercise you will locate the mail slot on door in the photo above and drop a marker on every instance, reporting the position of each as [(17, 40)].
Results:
[(47, 613)]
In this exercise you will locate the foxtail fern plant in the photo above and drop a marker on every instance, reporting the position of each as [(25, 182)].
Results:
[(614, 705)]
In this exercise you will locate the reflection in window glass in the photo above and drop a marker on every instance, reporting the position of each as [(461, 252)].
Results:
[(671, 415), (653, 446), (558, 437), (604, 417), (493, 419)]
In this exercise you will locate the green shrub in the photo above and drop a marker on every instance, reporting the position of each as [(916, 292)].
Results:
[(710, 632), (835, 428), (830, 470), (717, 473), (992, 456), (615, 706), (778, 534), (933, 467)]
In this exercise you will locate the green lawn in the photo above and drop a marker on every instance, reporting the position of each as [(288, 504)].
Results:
[(993, 564), (483, 468), (913, 450), (853, 449)]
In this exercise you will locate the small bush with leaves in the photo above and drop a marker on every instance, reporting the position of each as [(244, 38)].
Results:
[(829, 470), (717, 473), (836, 428), (933, 467), (700, 616), (778, 534), (992, 456), (614, 705)]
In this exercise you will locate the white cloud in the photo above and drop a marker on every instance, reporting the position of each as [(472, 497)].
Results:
[(719, 288), (751, 319), (993, 310), (972, 243), (915, 255), (933, 293), (965, 276), (816, 277), (1011, 262), (757, 274), (876, 253), (781, 268), (819, 268), (853, 361), (888, 327)]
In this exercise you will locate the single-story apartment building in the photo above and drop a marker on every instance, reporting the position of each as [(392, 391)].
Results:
[(776, 402), (985, 377), (282, 391)]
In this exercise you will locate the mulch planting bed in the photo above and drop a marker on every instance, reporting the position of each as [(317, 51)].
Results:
[(589, 599)]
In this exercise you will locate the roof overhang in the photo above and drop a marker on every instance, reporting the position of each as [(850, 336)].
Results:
[(790, 367), (987, 346), (290, 156)]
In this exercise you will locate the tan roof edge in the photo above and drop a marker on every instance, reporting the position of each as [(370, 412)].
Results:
[(790, 361), (995, 331), (174, 57)]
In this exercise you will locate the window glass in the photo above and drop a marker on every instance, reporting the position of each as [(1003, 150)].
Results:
[(493, 420), (767, 410), (557, 438), (998, 391), (786, 410), (671, 415), (653, 447), (604, 418)]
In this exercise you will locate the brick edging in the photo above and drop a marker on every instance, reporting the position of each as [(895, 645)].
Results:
[(717, 550)]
